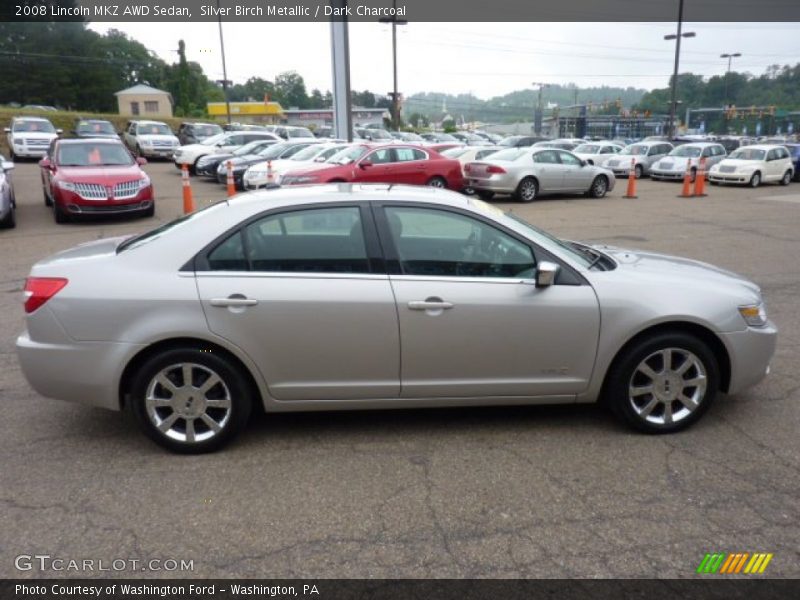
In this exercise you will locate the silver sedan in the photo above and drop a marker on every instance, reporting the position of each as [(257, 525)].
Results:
[(348, 296), (528, 173)]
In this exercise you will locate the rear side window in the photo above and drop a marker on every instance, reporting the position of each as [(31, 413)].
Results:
[(229, 255)]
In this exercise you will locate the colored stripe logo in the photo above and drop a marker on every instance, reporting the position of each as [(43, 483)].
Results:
[(729, 563)]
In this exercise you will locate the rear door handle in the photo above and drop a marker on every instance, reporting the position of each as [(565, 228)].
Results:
[(429, 305), (233, 300)]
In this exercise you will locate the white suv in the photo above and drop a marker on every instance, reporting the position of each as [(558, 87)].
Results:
[(30, 137), (150, 138)]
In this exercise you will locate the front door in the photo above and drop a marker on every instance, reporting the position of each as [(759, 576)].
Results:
[(472, 322), (296, 292)]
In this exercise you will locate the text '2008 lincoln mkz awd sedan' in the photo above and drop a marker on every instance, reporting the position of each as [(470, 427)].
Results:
[(373, 296)]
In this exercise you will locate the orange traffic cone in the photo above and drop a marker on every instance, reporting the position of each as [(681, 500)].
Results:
[(188, 202), (631, 193), (231, 185), (686, 192), (700, 179)]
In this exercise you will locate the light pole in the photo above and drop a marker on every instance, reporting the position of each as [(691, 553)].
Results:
[(225, 81), (395, 100), (538, 116), (674, 95), (730, 57)]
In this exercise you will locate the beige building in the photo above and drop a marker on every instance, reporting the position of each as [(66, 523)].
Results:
[(144, 102)]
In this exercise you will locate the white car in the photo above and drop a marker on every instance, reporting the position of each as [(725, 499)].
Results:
[(30, 137), (152, 139), (256, 176), (754, 165), (597, 153), (642, 154), (222, 143), (673, 165)]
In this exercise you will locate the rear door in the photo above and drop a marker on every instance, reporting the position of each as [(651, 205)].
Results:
[(375, 167), (549, 171), (301, 291), (411, 166)]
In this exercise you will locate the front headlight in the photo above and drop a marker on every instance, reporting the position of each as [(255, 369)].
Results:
[(144, 182), (755, 315), (66, 185)]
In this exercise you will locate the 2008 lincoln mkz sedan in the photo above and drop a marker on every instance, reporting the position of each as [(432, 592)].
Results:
[(356, 296)]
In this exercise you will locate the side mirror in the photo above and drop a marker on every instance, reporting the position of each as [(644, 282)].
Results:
[(59, 131), (546, 274), (7, 165), (583, 163), (141, 160), (45, 163), (7, 129), (364, 164)]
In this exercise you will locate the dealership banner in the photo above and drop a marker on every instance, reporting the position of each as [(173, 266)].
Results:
[(398, 589), (406, 10)]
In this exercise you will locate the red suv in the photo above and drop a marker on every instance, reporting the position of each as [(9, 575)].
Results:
[(387, 163), (92, 177)]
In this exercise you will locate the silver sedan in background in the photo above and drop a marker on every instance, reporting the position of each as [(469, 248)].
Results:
[(527, 173), (8, 202), (641, 155), (380, 296), (674, 165)]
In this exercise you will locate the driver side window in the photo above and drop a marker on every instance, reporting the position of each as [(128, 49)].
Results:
[(441, 243)]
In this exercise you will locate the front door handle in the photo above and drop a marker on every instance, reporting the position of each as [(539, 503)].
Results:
[(429, 304), (234, 300)]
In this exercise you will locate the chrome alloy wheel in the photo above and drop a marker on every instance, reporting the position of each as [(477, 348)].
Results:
[(188, 402), (667, 386)]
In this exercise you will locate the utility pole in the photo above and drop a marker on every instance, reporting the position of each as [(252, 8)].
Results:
[(395, 98), (538, 115), (225, 81), (728, 72), (340, 65), (674, 95)]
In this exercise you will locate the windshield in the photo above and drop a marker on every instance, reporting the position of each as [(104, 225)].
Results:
[(301, 132), (379, 134), (509, 154), (309, 153), (635, 150), (509, 141), (204, 131), (454, 152), (153, 129), (249, 148), (272, 152), (348, 155), (587, 149), (748, 154), (34, 126), (445, 137), (214, 139), (412, 137), (544, 239), (93, 155), (687, 151), (95, 127)]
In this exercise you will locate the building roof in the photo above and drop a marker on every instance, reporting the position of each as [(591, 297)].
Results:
[(140, 88)]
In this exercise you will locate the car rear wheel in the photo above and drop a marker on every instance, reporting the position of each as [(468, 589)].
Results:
[(787, 178), (755, 180), (190, 401), (527, 190), (10, 220), (663, 383), (437, 182), (599, 187)]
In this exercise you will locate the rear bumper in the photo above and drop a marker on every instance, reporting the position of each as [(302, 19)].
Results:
[(750, 352), (82, 372), (498, 186)]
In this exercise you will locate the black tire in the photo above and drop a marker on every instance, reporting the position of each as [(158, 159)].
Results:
[(625, 375), (151, 211), (10, 220), (11, 155), (139, 152), (714, 182), (59, 214), (693, 175), (755, 180), (527, 190), (638, 171), (232, 389), (437, 182), (485, 196), (47, 200), (599, 187), (787, 178)]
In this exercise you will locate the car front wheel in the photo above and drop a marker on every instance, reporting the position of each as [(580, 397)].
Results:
[(663, 383), (755, 180), (599, 187), (787, 178), (190, 401)]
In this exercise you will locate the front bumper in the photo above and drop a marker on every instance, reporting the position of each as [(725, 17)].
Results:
[(82, 372), (238, 176), (750, 353), (158, 151), (77, 205), (718, 177), (30, 152)]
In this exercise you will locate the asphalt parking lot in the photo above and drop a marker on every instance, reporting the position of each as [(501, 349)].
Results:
[(492, 492)]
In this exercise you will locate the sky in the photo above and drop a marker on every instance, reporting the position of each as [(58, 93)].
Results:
[(485, 59)]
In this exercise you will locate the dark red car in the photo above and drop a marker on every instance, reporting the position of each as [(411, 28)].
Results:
[(382, 163), (92, 177)]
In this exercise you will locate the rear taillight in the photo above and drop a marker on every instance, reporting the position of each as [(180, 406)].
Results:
[(495, 169), (39, 290)]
